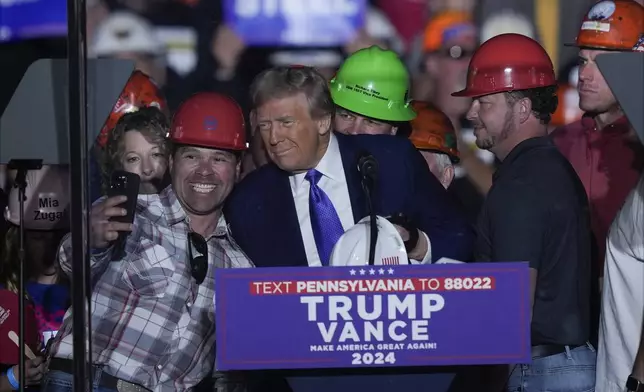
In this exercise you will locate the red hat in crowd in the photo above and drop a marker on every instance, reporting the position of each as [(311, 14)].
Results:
[(140, 91), (508, 62)]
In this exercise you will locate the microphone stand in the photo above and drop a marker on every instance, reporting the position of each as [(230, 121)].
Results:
[(22, 166), (367, 187)]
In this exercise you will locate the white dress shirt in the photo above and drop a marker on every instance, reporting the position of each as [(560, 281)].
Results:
[(620, 325), (333, 182)]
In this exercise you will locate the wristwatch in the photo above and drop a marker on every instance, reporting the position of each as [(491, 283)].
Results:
[(634, 385)]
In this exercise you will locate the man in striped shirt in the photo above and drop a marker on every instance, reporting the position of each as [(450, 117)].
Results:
[(153, 314)]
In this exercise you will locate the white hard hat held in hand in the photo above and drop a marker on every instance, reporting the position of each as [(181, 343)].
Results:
[(352, 249)]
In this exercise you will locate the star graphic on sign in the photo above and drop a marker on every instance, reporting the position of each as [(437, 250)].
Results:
[(381, 271), (391, 271), (372, 271), (362, 272), (352, 272)]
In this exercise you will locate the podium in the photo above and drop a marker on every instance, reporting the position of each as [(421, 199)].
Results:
[(374, 327)]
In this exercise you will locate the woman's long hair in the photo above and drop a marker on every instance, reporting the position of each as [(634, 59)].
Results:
[(151, 122), (10, 260)]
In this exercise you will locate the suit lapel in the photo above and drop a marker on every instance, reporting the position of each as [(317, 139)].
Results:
[(349, 153), (281, 211)]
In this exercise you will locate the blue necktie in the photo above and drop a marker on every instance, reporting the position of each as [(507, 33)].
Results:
[(325, 222)]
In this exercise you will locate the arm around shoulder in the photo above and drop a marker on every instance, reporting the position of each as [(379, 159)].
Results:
[(236, 213)]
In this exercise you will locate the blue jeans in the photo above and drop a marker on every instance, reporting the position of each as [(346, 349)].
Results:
[(570, 371), (56, 381)]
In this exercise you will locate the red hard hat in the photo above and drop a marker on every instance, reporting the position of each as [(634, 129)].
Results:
[(508, 62), (139, 91), (209, 120)]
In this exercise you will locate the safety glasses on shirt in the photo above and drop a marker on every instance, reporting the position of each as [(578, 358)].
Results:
[(199, 263)]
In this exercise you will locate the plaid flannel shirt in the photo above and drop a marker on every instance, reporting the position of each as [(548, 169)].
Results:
[(151, 324)]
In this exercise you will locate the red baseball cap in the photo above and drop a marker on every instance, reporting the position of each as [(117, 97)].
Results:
[(9, 321)]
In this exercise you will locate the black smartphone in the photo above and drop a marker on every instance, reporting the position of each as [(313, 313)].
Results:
[(123, 183)]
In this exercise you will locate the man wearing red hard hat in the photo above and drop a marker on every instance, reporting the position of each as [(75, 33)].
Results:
[(535, 211), (152, 310)]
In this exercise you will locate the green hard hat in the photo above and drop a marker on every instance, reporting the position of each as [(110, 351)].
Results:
[(373, 82)]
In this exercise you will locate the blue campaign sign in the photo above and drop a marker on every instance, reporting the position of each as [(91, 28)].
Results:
[(295, 22), (341, 317), (23, 19)]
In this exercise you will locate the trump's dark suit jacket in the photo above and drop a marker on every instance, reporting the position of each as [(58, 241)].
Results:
[(263, 220)]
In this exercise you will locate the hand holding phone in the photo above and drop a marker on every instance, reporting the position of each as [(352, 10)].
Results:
[(115, 214), (126, 184)]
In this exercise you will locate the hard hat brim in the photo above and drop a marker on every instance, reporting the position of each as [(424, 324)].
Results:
[(199, 143), (395, 115), (452, 157), (596, 47), (463, 93), (469, 93)]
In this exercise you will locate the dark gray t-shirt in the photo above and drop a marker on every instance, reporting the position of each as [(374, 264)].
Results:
[(537, 211)]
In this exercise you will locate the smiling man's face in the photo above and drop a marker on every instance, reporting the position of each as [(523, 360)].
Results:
[(203, 178), (294, 140)]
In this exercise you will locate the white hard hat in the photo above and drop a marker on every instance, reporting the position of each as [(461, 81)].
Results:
[(378, 26), (46, 200), (124, 31), (352, 249), (506, 21), (309, 58), (573, 76)]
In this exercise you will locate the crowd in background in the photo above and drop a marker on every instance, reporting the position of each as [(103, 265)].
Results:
[(186, 46)]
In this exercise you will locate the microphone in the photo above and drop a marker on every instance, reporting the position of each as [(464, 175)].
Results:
[(367, 167)]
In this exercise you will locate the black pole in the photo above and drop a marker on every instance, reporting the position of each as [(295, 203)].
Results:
[(373, 223), (78, 193), (21, 287), (368, 169), (22, 166)]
